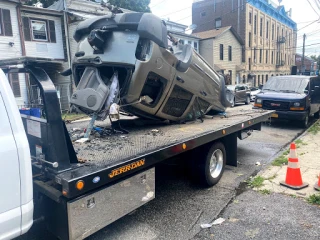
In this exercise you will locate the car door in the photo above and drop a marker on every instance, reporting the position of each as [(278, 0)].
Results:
[(242, 93), (10, 211), (314, 95)]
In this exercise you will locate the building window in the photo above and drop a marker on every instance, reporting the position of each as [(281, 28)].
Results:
[(218, 22), (262, 79), (266, 56), (267, 31), (195, 46), (272, 58), (189, 42), (230, 53), (254, 55), (260, 57), (250, 18), (267, 78), (258, 80), (289, 39), (203, 14), (39, 30), (243, 50), (261, 24), (272, 36), (5, 23), (15, 84), (255, 25), (285, 58), (249, 60), (221, 51), (249, 39)]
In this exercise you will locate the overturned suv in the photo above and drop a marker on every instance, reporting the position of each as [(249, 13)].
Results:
[(125, 59), (292, 97)]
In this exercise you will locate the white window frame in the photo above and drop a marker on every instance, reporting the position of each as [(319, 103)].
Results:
[(46, 30)]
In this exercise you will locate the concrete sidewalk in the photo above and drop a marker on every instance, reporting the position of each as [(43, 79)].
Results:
[(308, 150), (274, 211)]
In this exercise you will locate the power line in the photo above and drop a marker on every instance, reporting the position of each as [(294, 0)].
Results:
[(157, 4), (313, 8), (175, 11)]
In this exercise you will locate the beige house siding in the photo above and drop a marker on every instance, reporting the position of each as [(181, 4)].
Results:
[(206, 50), (210, 50), (227, 39)]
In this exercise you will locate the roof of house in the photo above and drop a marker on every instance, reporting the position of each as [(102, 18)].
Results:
[(214, 33), (306, 57), (94, 8), (182, 34)]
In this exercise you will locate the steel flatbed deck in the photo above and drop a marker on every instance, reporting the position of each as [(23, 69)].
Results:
[(113, 157)]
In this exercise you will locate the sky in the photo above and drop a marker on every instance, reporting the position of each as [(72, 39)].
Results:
[(302, 13)]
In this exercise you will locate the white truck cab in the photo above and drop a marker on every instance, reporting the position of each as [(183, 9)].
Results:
[(16, 197)]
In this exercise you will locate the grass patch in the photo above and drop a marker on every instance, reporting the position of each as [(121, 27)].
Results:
[(272, 177), (256, 182), (281, 160), (315, 128), (73, 116), (300, 142), (314, 199), (265, 191)]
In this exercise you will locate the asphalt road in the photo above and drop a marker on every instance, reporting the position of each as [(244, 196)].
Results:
[(181, 205)]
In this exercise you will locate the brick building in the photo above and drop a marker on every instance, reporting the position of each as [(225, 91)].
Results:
[(267, 30), (309, 63)]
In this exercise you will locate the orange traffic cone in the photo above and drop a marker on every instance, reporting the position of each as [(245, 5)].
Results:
[(317, 185), (293, 177)]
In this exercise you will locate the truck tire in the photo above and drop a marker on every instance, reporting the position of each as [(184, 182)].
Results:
[(212, 165), (305, 122)]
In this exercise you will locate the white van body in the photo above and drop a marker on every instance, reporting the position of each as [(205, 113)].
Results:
[(16, 196)]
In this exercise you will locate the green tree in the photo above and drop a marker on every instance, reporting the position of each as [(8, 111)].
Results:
[(316, 59), (46, 3), (133, 5)]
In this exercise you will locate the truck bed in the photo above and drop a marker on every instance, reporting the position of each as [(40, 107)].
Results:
[(114, 157), (146, 136)]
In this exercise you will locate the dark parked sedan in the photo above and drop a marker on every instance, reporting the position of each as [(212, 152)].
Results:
[(241, 94)]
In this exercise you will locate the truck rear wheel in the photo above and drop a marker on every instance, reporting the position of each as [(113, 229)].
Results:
[(212, 165)]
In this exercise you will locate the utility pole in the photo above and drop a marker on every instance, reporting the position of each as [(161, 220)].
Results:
[(303, 67)]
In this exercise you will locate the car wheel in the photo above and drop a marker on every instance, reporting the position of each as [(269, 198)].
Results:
[(305, 122), (233, 102), (212, 165), (247, 100)]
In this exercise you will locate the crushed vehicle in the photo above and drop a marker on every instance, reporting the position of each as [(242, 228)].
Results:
[(125, 59)]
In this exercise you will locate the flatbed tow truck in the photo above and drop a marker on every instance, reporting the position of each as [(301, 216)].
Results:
[(82, 187)]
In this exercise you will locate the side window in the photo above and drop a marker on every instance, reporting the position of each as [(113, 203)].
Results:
[(5, 23)]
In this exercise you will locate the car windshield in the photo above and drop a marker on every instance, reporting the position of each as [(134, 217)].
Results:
[(231, 87), (286, 84), (254, 88)]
